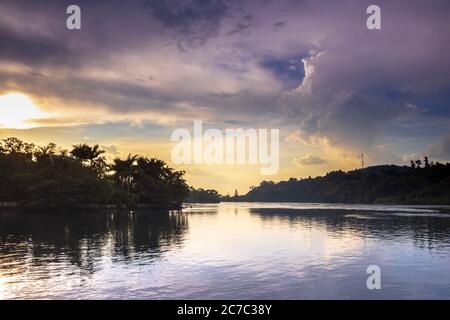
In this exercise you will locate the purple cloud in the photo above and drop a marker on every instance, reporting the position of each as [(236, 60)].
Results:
[(232, 61)]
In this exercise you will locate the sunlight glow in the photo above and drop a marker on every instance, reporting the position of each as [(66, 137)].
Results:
[(17, 111)]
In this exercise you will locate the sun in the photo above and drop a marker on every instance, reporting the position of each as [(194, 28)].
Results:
[(17, 111)]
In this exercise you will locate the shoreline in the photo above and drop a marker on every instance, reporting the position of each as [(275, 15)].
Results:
[(148, 208), (17, 208)]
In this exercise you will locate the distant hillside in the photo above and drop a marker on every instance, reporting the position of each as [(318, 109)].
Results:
[(389, 184)]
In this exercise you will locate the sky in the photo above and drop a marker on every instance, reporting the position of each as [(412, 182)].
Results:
[(139, 69)]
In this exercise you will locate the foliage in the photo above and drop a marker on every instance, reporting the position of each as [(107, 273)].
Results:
[(427, 184), (203, 196), (50, 177)]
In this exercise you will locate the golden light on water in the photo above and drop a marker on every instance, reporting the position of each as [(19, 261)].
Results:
[(17, 111)]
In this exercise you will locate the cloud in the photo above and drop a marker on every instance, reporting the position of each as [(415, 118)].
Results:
[(288, 69), (193, 21), (440, 149), (36, 50), (279, 24), (242, 25), (95, 70), (188, 15), (111, 149), (360, 81), (309, 160), (294, 136), (305, 63)]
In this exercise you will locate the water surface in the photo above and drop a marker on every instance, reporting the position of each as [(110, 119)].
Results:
[(228, 251)]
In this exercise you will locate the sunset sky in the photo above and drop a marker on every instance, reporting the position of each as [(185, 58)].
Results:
[(137, 70)]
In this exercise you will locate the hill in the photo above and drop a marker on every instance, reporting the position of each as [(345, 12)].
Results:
[(388, 184)]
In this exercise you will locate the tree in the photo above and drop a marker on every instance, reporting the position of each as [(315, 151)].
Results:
[(156, 182), (426, 162), (203, 196), (46, 176), (83, 152), (49, 149), (418, 163), (90, 156), (17, 146), (124, 171)]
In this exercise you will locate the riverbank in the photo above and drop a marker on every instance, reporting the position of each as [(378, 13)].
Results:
[(16, 207)]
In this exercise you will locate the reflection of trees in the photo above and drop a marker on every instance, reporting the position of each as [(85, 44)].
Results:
[(424, 231), (83, 239)]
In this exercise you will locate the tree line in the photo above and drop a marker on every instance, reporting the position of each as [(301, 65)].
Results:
[(201, 195), (51, 177), (424, 182)]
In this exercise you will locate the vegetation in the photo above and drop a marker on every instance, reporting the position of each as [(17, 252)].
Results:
[(228, 198), (203, 196), (422, 183), (50, 177)]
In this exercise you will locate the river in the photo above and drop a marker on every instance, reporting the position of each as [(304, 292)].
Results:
[(228, 251)]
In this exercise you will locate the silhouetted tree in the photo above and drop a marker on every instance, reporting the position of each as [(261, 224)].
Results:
[(418, 163), (124, 171), (426, 163), (47, 176), (203, 196)]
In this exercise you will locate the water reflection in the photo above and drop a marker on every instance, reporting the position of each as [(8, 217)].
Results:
[(227, 251), (424, 230), (83, 239)]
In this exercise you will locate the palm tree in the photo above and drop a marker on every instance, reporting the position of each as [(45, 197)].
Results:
[(84, 152), (153, 167), (124, 171), (49, 149)]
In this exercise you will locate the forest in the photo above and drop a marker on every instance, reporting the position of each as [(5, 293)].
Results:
[(203, 196), (42, 177), (423, 182)]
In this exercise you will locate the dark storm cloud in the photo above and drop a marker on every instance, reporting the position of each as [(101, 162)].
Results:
[(189, 14), (362, 80), (33, 50), (288, 69), (194, 21)]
